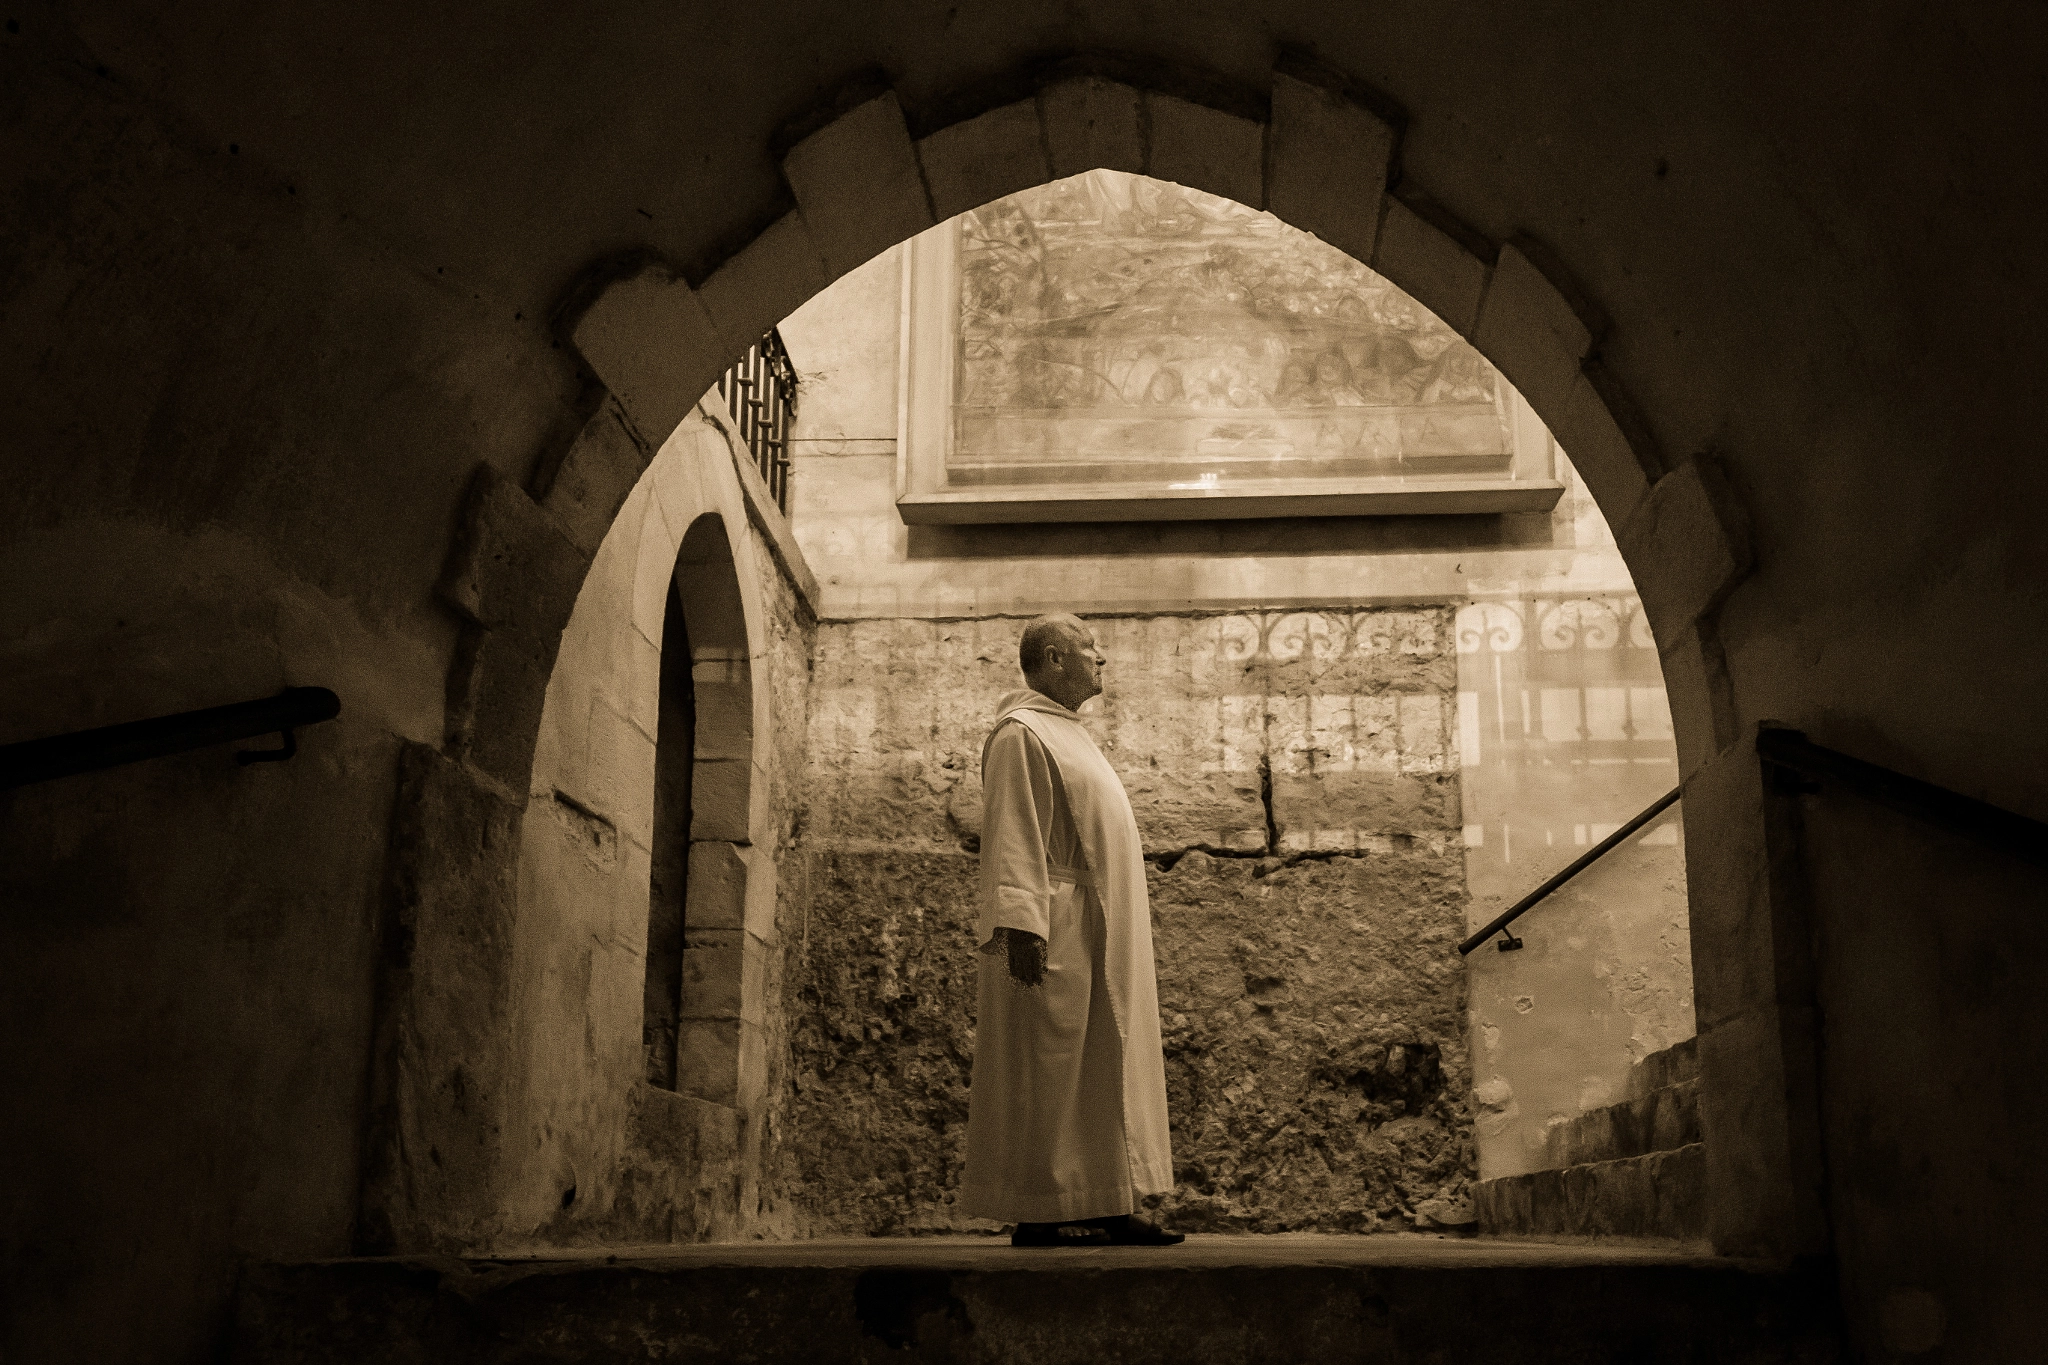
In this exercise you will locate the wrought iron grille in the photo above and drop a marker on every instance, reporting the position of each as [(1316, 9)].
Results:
[(761, 392)]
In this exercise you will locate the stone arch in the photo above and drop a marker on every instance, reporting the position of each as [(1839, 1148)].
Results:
[(715, 1024), (1323, 155)]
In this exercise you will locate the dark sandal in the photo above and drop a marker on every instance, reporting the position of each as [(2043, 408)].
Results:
[(1058, 1235), (1129, 1230)]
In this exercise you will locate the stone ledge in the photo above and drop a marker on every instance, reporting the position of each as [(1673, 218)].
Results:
[(1247, 1300)]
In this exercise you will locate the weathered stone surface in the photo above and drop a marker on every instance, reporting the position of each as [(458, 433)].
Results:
[(1327, 164), (858, 184), (1313, 1017), (598, 471), (1689, 545), (984, 158), (1662, 1195), (881, 1001), (1312, 1005), (1663, 1120), (1344, 717), (649, 339), (1205, 149), (1090, 123), (1430, 264), (1530, 329), (441, 1073)]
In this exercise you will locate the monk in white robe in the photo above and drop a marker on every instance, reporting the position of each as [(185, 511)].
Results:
[(1066, 1128)]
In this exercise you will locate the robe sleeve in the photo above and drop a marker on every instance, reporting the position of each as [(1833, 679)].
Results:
[(1018, 804)]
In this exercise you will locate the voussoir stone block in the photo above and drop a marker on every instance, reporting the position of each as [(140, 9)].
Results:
[(858, 185), (708, 1059), (1327, 165), (1687, 545), (1602, 451), (649, 339), (591, 484), (713, 962), (1206, 149), (497, 688), (1092, 123), (720, 791), (984, 158), (1431, 265), (1697, 689), (764, 282), (716, 893), (1530, 329), (513, 568)]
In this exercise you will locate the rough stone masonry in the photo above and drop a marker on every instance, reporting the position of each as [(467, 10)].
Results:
[(1295, 783)]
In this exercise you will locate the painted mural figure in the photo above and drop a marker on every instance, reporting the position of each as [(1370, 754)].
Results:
[(1066, 1128)]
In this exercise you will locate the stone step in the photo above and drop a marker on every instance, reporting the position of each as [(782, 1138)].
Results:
[(1660, 1195), (1661, 1120), (1675, 1064), (1296, 1299)]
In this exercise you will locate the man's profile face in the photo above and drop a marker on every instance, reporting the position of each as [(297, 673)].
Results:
[(1073, 668)]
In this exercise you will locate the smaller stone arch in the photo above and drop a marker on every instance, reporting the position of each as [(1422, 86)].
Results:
[(698, 949)]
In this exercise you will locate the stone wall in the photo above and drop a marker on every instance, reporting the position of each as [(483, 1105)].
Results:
[(1297, 793)]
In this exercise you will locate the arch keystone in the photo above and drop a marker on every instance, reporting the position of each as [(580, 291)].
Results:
[(1431, 265), (649, 339), (1205, 149), (1531, 329), (1091, 122), (858, 184), (1688, 545), (984, 158), (1326, 164), (764, 282)]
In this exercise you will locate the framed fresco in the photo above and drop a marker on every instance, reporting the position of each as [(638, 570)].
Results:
[(1116, 348)]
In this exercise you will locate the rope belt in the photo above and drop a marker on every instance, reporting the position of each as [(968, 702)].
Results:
[(1079, 876)]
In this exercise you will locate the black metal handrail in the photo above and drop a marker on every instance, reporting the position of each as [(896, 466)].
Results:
[(1791, 750), (39, 760), (1499, 924), (760, 390)]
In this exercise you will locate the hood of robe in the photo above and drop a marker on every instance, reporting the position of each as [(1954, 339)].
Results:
[(1030, 700)]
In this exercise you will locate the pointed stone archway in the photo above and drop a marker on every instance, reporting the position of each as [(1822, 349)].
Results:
[(1322, 154)]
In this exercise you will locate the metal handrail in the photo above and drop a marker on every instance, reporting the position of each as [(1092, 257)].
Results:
[(40, 760), (1791, 750), (1500, 922)]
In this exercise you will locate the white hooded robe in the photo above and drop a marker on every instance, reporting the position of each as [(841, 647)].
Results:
[(1067, 1114)]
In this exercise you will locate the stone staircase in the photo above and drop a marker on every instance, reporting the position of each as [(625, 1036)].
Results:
[(1631, 1170), (1298, 1299)]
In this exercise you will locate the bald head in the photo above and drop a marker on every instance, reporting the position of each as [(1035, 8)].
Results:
[(1060, 659)]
